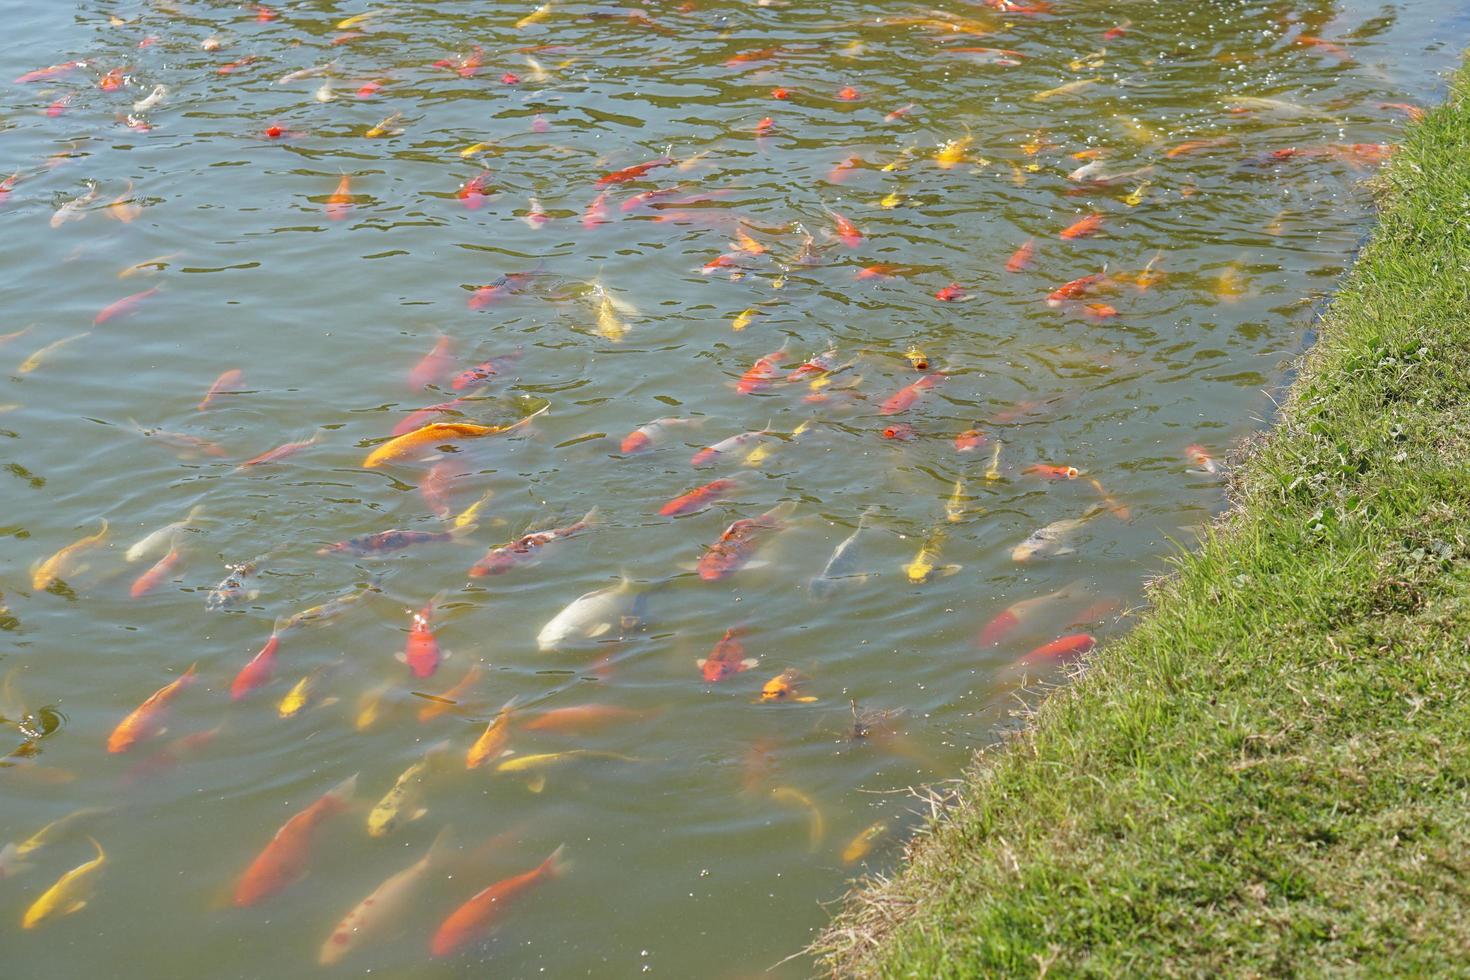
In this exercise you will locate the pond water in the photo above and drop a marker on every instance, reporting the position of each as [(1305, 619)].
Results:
[(1011, 267)]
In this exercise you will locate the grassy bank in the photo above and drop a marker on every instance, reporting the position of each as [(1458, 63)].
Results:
[(1271, 774)]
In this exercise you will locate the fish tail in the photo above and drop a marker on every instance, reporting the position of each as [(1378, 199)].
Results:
[(591, 517), (344, 790), (556, 863), (101, 854)]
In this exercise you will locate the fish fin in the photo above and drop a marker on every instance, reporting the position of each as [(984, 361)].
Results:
[(750, 662), (757, 564), (556, 863), (592, 516), (401, 657), (345, 789), (700, 663), (600, 629), (327, 702), (949, 569), (76, 906), (536, 783), (418, 814)]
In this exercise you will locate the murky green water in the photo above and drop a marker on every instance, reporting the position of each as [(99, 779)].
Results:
[(704, 829)]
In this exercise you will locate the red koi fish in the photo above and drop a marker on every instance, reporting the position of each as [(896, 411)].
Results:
[(113, 80), (848, 94), (1061, 650), (632, 173), (697, 499), (284, 859), (739, 541), (507, 285), (1075, 289), (645, 437), (727, 260), (646, 197), (369, 89), (339, 204), (726, 659), (1118, 30), (470, 64), (122, 307), (1326, 47), (526, 547), (970, 440), (765, 126), (59, 106), (222, 385), (847, 232), (780, 93), (952, 293), (899, 113), (483, 372), (746, 57), (899, 432), (150, 579), (235, 66), (433, 365), (820, 364), (761, 373), (1053, 473), (596, 213), (146, 720), (52, 72), (265, 15), (710, 453), (276, 455), (1020, 259), (1090, 225), (472, 193), (1100, 311), (418, 419), (421, 654), (8, 184), (470, 921), (905, 397), (385, 542), (259, 671)]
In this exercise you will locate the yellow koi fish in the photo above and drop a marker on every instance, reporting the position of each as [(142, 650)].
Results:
[(68, 894), (301, 694), (609, 324), (59, 564), (492, 740), (953, 152), (35, 360), (744, 319), (818, 826), (859, 847), (923, 567), (992, 472), (467, 517), (526, 763), (370, 708), (388, 127), (49, 833), (1071, 88), (438, 432), (356, 20), (954, 508), (783, 687), (403, 797), (535, 17)]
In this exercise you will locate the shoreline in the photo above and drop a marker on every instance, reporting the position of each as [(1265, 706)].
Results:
[(1270, 773)]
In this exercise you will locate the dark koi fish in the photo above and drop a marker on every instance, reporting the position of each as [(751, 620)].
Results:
[(736, 546), (527, 546)]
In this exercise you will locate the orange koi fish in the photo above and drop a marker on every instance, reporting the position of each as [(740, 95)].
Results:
[(646, 436), (1415, 113), (952, 293), (1326, 47), (761, 373), (1201, 458), (276, 455), (1100, 311), (433, 366), (632, 173), (145, 721), (113, 80), (970, 440), (1190, 146), (222, 385), (596, 213), (739, 541), (507, 285), (51, 72), (235, 66), (439, 704), (259, 671), (1021, 258), (1053, 472), (784, 687), (727, 658), (339, 204), (1061, 650), (150, 579), (122, 307), (473, 192), (899, 113), (436, 433), (421, 655), (1019, 613), (470, 921), (847, 232), (1084, 228), (492, 740), (697, 499), (1075, 289), (582, 718), (899, 432), (526, 547), (284, 859), (483, 372), (1117, 31), (746, 57), (905, 397)]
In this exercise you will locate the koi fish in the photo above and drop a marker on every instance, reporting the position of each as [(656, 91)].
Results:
[(632, 173), (1020, 613), (596, 213), (817, 827), (1201, 458), (284, 859), (437, 433), (339, 204), (536, 217), (52, 569), (1070, 88), (439, 704), (610, 325), (314, 617), (726, 658), (592, 616), (150, 579), (899, 431), (1075, 289), (847, 232), (953, 152), (232, 590), (507, 285), (259, 671), (646, 436), (710, 453), (483, 372), (385, 905), (1117, 30), (157, 540), (122, 307), (1326, 47), (761, 373), (1052, 540), (954, 507), (421, 654), (492, 740), (860, 846), (784, 687), (1021, 258), (923, 566), (819, 364), (970, 440), (698, 498), (470, 921), (400, 804), (1192, 146), (739, 541), (1414, 112), (952, 293), (507, 556), (54, 831), (472, 193), (222, 385), (1053, 472), (51, 72), (435, 485), (467, 516), (68, 894), (75, 209), (1061, 650), (839, 568), (279, 453), (582, 718), (535, 16), (391, 126), (1084, 228), (302, 692), (905, 397)]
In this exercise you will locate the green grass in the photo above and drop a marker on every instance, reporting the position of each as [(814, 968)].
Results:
[(1270, 775)]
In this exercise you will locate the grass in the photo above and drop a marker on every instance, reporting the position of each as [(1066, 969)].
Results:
[(1270, 775)]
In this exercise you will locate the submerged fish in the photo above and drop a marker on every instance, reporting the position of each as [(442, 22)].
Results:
[(1054, 539), (285, 858), (739, 542), (146, 720), (45, 573), (232, 590), (527, 547), (592, 616), (726, 658), (68, 895), (470, 921), (400, 804), (839, 569), (385, 906), (161, 538), (385, 542)]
